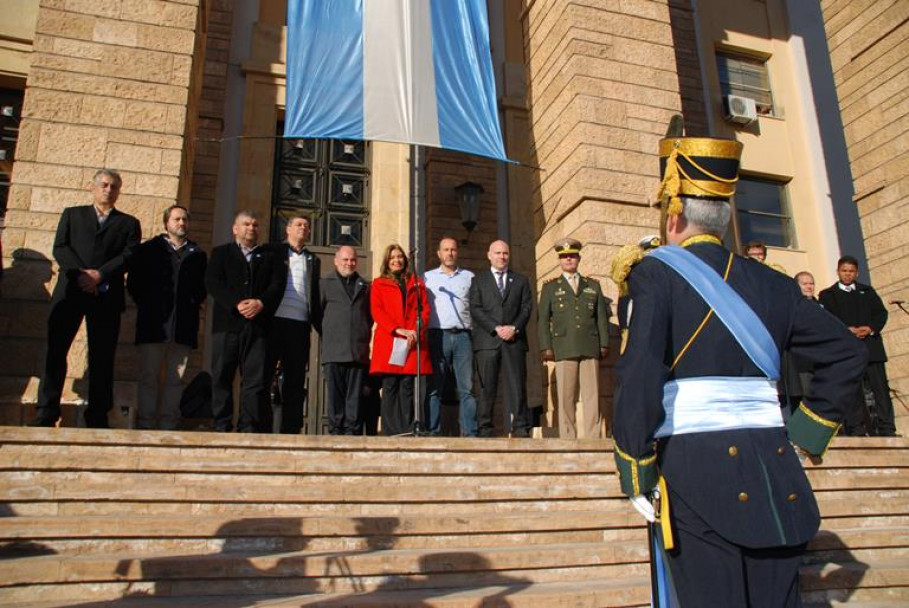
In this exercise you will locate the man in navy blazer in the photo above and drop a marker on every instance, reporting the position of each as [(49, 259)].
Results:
[(500, 305), (92, 246), (247, 283)]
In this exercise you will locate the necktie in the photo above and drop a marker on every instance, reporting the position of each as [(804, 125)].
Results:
[(573, 281), (500, 281)]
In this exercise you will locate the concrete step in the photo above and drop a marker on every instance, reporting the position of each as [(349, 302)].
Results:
[(46, 482), (859, 478), (379, 491), (106, 576), (209, 519), (629, 593), (150, 534), (859, 580), (299, 509)]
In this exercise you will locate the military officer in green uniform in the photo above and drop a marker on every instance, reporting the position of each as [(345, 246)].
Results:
[(573, 319)]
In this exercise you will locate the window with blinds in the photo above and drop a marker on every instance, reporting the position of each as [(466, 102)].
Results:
[(746, 77), (763, 213)]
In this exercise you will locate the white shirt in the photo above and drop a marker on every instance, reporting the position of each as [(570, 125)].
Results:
[(846, 288), (295, 304), (246, 251), (102, 215)]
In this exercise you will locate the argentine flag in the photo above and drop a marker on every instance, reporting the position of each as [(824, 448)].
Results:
[(408, 71)]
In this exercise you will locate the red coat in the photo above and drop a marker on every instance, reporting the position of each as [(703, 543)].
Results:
[(386, 304)]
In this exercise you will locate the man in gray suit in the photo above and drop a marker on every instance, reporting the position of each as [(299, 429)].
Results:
[(500, 304), (346, 327)]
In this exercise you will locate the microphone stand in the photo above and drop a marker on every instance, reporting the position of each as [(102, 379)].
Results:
[(417, 383), (418, 184)]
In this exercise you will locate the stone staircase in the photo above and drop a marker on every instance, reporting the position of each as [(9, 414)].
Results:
[(109, 518)]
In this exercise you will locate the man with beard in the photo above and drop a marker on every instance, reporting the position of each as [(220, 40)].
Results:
[(166, 280)]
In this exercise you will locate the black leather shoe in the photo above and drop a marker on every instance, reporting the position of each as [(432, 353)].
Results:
[(520, 433), (43, 420), (98, 423)]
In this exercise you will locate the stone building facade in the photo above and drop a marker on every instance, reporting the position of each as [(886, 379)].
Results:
[(185, 98)]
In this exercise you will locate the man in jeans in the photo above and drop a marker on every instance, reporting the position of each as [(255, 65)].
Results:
[(450, 346), (166, 280)]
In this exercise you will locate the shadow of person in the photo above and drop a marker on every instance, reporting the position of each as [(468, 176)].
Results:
[(438, 575), (26, 289), (246, 546), (256, 548), (830, 572), (13, 548)]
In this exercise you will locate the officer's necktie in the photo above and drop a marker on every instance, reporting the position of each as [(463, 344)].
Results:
[(500, 281), (573, 281)]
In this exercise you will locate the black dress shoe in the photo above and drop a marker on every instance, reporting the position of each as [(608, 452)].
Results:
[(520, 434), (43, 420)]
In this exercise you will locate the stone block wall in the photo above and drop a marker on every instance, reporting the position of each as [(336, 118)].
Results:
[(869, 51), (113, 83)]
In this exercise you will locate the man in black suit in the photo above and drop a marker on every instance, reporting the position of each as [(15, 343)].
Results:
[(246, 282), (166, 280), (347, 326), (861, 309), (298, 313), (500, 304), (93, 245)]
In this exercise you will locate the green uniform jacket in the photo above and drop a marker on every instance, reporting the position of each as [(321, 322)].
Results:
[(572, 325)]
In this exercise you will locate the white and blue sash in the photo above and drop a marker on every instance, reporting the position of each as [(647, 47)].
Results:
[(746, 327), (706, 404)]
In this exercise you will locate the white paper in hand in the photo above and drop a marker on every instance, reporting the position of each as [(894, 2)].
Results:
[(398, 352)]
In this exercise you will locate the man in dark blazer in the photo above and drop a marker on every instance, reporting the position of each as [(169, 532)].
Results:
[(93, 246), (247, 283), (166, 280), (297, 314), (347, 327), (500, 305), (860, 308)]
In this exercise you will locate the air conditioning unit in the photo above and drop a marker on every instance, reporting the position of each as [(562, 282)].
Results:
[(740, 110)]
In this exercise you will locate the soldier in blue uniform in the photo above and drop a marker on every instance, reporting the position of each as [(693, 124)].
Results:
[(696, 407)]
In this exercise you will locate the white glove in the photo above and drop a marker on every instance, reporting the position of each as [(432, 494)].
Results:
[(643, 506)]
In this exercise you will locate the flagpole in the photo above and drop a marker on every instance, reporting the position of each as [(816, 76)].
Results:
[(418, 195)]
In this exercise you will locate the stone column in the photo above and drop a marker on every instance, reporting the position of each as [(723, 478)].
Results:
[(113, 83), (603, 82)]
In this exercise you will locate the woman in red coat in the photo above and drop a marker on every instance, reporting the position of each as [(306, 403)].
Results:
[(393, 300)]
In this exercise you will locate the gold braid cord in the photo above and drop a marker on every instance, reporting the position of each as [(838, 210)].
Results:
[(622, 263), (671, 185)]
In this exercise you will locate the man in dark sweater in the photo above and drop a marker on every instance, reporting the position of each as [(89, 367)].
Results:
[(166, 280), (860, 308)]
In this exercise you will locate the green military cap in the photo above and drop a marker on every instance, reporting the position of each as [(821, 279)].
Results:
[(568, 246)]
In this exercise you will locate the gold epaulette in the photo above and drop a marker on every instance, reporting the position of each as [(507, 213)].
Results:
[(622, 263)]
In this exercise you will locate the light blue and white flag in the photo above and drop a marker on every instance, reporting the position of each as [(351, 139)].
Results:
[(408, 71)]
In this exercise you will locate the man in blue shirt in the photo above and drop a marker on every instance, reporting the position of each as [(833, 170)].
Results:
[(450, 347)]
